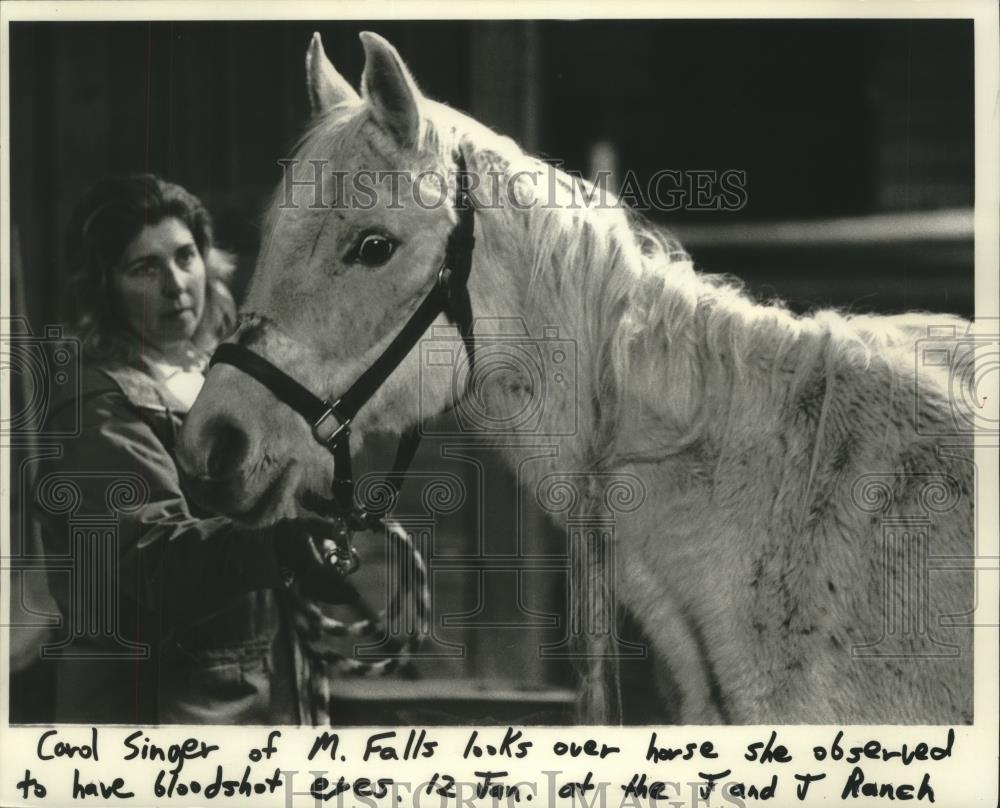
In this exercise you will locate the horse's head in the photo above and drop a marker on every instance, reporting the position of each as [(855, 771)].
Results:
[(351, 245)]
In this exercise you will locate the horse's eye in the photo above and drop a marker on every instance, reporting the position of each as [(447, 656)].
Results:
[(374, 250)]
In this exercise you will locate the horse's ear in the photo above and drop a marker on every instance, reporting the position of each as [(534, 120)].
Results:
[(326, 86), (390, 88)]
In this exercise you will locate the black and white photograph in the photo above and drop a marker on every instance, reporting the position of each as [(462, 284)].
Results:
[(471, 378)]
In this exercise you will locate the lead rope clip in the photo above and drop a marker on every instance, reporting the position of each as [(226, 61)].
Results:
[(340, 551)]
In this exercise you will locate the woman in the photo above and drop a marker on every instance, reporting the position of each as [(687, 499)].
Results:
[(197, 634)]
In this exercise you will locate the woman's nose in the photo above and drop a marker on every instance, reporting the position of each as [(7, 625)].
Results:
[(172, 280)]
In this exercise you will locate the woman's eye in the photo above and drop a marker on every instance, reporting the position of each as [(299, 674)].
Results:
[(374, 250), (185, 256), (142, 270)]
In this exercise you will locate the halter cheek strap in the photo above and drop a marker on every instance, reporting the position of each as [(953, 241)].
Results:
[(330, 419)]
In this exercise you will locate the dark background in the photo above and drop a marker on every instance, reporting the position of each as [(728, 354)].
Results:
[(827, 119), (868, 121)]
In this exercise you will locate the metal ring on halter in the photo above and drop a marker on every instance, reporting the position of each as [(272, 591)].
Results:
[(343, 424), (347, 559)]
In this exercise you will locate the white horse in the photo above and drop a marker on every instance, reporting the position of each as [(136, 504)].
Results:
[(779, 563)]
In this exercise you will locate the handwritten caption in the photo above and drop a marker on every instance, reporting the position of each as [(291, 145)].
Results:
[(479, 766)]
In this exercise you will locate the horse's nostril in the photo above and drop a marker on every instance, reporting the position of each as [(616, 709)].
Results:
[(228, 447)]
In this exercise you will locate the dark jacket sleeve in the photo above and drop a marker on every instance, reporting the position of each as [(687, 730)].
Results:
[(170, 560)]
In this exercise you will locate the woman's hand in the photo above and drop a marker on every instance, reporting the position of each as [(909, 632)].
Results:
[(297, 545)]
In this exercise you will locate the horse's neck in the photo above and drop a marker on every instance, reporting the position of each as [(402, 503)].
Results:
[(673, 370)]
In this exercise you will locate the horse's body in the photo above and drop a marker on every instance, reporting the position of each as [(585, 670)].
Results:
[(779, 454), (762, 565)]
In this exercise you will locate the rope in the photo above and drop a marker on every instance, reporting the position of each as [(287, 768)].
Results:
[(313, 627)]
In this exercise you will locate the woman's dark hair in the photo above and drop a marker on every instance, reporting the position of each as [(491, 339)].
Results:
[(106, 220)]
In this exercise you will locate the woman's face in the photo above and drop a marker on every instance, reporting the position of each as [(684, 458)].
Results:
[(160, 284)]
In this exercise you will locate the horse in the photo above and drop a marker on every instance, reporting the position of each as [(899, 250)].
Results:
[(782, 563)]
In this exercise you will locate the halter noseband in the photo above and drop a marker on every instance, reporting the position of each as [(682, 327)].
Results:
[(330, 419)]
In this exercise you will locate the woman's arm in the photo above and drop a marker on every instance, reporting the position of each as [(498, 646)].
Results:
[(171, 561)]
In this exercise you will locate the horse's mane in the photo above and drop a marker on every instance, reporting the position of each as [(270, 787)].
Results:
[(652, 322), (655, 322)]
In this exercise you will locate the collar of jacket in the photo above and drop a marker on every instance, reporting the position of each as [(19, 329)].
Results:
[(141, 389)]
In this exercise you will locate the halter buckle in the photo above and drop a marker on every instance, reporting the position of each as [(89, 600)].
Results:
[(343, 427)]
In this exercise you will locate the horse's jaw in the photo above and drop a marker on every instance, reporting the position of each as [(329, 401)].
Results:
[(276, 502)]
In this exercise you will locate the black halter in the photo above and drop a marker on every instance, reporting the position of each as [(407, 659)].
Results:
[(331, 418)]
